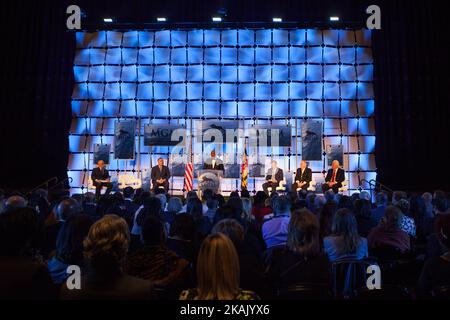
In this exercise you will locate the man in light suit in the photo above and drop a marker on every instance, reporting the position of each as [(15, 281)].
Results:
[(273, 177), (334, 178), (303, 177)]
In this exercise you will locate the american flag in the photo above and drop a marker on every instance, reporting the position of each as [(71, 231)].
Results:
[(189, 173)]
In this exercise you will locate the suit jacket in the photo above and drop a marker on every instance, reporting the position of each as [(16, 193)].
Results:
[(305, 177), (340, 175), (97, 174), (157, 174), (278, 175), (208, 164)]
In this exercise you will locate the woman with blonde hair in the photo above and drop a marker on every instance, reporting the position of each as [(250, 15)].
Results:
[(105, 249), (217, 272)]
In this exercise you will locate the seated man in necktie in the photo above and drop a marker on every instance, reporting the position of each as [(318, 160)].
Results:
[(303, 177), (160, 175), (334, 178), (213, 163), (101, 178), (273, 177)]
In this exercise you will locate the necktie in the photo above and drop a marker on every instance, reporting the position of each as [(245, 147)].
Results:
[(333, 177)]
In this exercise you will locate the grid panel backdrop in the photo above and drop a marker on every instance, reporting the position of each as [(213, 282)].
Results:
[(256, 76)]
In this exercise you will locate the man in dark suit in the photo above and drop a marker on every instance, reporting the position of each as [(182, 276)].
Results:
[(334, 178), (160, 175), (303, 177), (213, 163), (101, 178), (273, 177)]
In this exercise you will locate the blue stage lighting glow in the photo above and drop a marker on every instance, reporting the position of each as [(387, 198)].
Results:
[(238, 73)]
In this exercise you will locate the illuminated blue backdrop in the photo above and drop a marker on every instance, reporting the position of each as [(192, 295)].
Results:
[(259, 76)]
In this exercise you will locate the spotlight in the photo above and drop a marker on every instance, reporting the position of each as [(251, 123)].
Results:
[(277, 20), (161, 19), (217, 19), (108, 20), (334, 18)]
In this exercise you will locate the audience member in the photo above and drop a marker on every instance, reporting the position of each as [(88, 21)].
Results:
[(275, 229)]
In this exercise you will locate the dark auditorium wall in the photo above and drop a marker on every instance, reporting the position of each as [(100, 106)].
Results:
[(411, 87)]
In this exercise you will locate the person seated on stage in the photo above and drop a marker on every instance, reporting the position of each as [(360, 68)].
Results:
[(101, 178), (334, 178), (213, 163), (160, 175), (303, 177), (273, 177)]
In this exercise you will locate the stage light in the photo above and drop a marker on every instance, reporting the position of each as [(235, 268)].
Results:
[(108, 20), (334, 18), (161, 19), (277, 20), (217, 19)]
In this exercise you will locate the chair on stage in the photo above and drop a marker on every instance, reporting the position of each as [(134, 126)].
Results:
[(344, 187), (281, 186)]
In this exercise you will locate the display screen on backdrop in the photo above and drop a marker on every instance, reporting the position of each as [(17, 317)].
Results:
[(271, 135), (164, 135), (101, 152), (312, 140), (250, 76), (218, 132), (124, 139), (335, 152)]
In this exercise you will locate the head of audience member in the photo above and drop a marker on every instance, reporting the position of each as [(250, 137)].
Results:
[(128, 193), (69, 244), (191, 195), (403, 205), (21, 233), (245, 194), (303, 233), (117, 197), (381, 199), (236, 204), (226, 212), (232, 229), (397, 196), (174, 205), (292, 196), (212, 204), (345, 202), (354, 196), (364, 195), (363, 208), (443, 230), (319, 202), (302, 194), (67, 208), (141, 196), (428, 202), (440, 205), (329, 195), (345, 226), (220, 198), (439, 194), (392, 217), (217, 269), (15, 202), (101, 164), (281, 206), (260, 199), (234, 194), (183, 227), (310, 198), (326, 216), (246, 208), (153, 232), (162, 198), (152, 207), (207, 194), (335, 164), (106, 245), (89, 198), (417, 208), (195, 208)]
